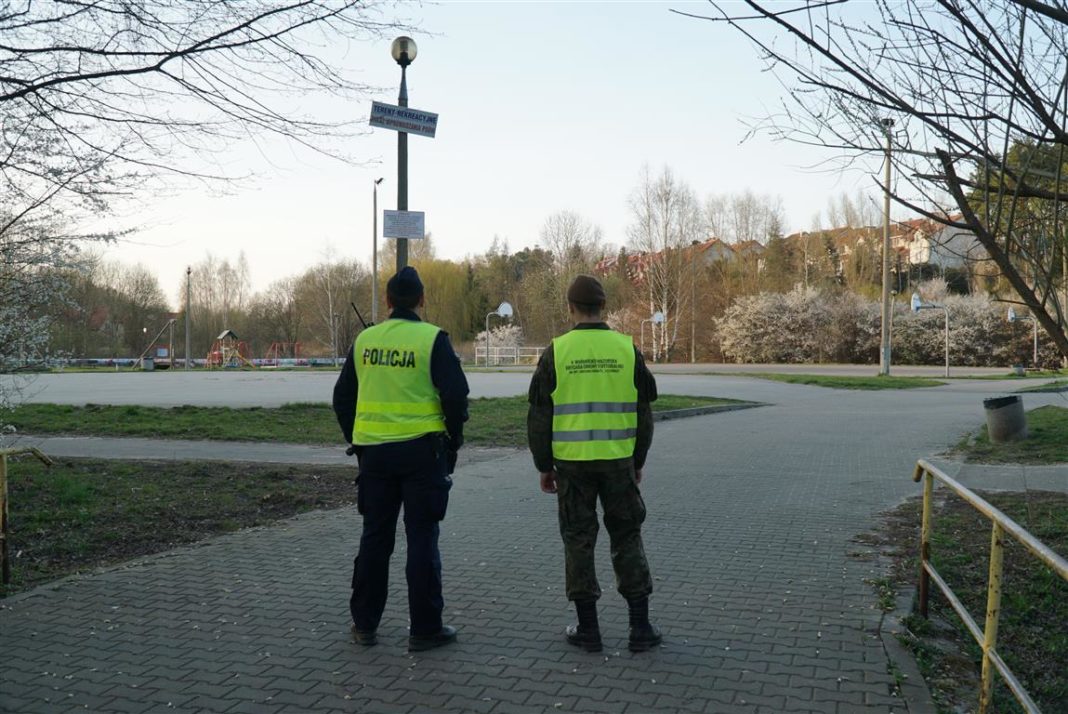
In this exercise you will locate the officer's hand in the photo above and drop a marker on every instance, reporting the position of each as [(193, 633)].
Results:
[(637, 475), (450, 457), (548, 481)]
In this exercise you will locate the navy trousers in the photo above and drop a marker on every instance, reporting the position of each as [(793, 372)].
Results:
[(412, 474)]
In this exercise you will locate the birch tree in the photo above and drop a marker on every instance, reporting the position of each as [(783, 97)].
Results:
[(666, 219)]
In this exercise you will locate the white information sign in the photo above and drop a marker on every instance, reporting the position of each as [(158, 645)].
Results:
[(404, 224), (406, 119)]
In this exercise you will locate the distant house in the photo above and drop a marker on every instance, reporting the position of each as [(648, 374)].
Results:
[(707, 253), (747, 248), (947, 247), (713, 250)]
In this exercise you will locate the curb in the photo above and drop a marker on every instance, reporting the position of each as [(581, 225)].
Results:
[(914, 691), (698, 411)]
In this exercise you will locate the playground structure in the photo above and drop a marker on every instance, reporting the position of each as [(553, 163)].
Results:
[(281, 353), (163, 356), (228, 351)]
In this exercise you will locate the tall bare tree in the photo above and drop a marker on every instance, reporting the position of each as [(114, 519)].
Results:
[(107, 99), (965, 82), (666, 220)]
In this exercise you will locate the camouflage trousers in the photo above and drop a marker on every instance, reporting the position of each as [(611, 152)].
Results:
[(579, 485)]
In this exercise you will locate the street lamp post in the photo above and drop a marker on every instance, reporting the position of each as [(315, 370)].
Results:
[(918, 304), (188, 331), (374, 255), (884, 337), (503, 310), (403, 51), (1013, 317)]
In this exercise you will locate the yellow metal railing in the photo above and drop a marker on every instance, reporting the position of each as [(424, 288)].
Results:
[(986, 637), (5, 561)]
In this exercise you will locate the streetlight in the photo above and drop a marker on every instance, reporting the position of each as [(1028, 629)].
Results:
[(1013, 317), (188, 339), (918, 305), (656, 319), (503, 310), (374, 255), (403, 51), (884, 336)]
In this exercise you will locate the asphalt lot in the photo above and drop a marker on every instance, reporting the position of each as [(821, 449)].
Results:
[(269, 388)]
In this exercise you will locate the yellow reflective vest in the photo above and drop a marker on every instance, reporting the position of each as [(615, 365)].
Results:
[(397, 400), (595, 403)]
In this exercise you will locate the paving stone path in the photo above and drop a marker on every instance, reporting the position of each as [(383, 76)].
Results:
[(760, 586)]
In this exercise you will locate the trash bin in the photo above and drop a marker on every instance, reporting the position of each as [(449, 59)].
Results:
[(1005, 418), (148, 364)]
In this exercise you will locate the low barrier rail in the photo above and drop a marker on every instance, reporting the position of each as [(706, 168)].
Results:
[(987, 636)]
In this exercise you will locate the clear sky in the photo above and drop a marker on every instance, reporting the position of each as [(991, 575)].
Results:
[(544, 106)]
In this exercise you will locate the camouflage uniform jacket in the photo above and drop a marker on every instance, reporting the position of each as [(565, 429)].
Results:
[(540, 413)]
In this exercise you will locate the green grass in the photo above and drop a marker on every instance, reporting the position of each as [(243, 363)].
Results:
[(1027, 375), (1059, 385), (1033, 630), (846, 382), (84, 513), (499, 421), (1047, 441)]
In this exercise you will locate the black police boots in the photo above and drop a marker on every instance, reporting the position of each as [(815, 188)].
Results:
[(421, 643), (643, 635), (586, 634), (367, 638)]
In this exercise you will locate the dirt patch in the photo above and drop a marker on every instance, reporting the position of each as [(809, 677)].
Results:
[(85, 513)]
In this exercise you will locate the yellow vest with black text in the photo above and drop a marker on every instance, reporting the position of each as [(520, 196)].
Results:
[(595, 403), (397, 400)]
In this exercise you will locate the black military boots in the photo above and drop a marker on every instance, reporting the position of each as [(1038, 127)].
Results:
[(586, 634), (643, 635)]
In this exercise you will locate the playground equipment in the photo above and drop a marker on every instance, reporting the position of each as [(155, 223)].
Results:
[(281, 353), (228, 351), (147, 362)]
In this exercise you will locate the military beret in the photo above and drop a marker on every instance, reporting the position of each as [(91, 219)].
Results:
[(405, 284), (586, 290)]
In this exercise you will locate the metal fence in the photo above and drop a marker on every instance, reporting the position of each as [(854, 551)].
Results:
[(507, 355), (988, 635)]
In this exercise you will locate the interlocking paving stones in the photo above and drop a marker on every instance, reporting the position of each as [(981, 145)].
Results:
[(751, 521)]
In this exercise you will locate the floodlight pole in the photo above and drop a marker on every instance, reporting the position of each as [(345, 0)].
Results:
[(918, 304), (946, 310), (503, 310)]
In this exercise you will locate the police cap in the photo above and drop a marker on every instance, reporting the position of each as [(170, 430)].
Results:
[(405, 285)]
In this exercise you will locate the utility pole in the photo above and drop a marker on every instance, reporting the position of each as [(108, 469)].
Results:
[(188, 332), (884, 336)]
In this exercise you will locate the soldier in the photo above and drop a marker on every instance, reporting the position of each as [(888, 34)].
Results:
[(401, 401), (590, 427)]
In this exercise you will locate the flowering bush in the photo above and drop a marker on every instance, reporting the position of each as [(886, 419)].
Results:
[(504, 336), (806, 325)]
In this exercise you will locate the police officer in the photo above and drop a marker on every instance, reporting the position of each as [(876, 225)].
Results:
[(401, 401), (590, 427)]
